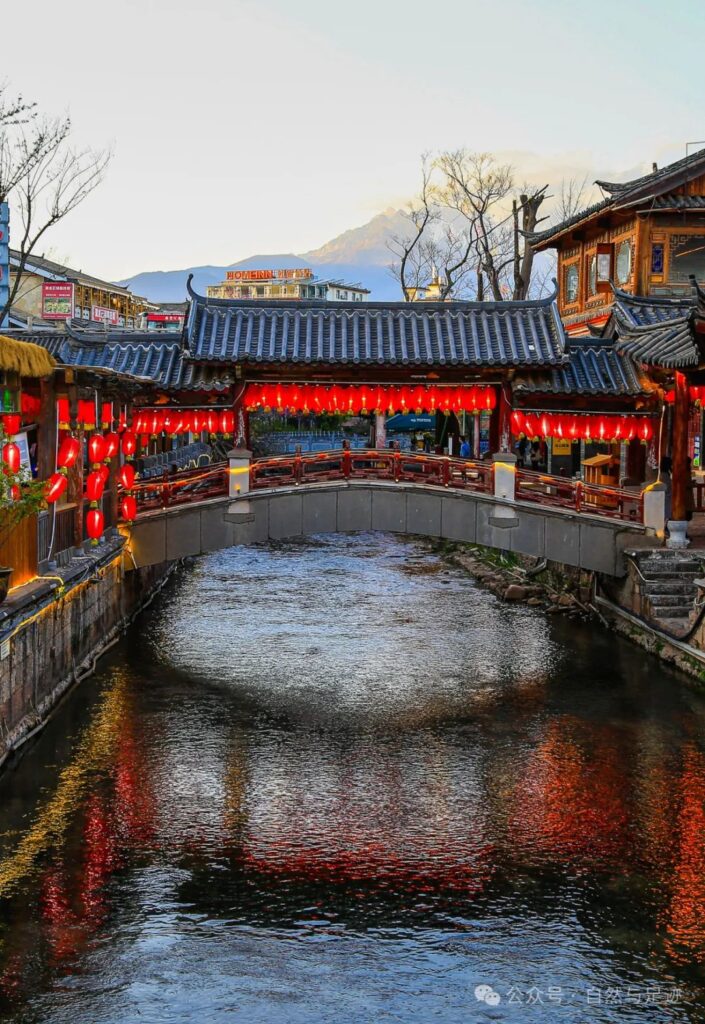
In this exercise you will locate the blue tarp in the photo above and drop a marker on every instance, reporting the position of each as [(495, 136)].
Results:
[(410, 421)]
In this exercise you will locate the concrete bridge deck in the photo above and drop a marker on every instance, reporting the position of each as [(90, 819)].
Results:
[(591, 542)]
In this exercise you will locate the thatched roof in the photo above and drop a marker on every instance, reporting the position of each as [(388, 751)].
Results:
[(24, 358)]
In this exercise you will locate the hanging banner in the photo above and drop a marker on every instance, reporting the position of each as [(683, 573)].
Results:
[(57, 300), (4, 262)]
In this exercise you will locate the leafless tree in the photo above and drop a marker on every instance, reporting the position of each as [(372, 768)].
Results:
[(572, 197), (434, 246), (41, 175), (480, 189)]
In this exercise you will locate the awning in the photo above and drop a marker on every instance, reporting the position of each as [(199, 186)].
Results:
[(24, 358)]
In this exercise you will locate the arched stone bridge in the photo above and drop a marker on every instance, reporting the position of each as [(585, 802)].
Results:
[(344, 492)]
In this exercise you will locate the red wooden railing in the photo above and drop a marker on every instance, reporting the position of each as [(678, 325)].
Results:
[(182, 488), (394, 466), (595, 499), (371, 464)]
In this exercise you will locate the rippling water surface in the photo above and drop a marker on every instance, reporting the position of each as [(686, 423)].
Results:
[(339, 782)]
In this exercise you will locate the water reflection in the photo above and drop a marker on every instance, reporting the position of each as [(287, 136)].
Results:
[(337, 781)]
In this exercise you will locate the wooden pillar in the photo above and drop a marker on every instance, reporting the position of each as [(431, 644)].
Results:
[(46, 429), (679, 449)]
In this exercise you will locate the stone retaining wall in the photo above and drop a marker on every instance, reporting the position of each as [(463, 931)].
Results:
[(54, 637)]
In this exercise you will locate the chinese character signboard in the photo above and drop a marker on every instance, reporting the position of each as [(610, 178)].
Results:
[(298, 274), (57, 300), (4, 261), (105, 315)]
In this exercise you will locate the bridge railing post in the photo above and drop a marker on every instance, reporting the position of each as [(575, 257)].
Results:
[(578, 495), (655, 508), (504, 476), (446, 471), (347, 461), (298, 465), (239, 462), (396, 447), (165, 489)]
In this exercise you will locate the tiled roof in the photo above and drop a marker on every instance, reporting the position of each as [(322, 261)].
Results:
[(592, 369), (156, 359), (657, 186), (375, 334), (675, 201), (670, 344), (659, 331), (638, 310)]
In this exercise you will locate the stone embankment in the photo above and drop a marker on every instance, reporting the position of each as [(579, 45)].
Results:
[(554, 589)]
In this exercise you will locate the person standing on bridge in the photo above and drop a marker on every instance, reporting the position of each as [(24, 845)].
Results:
[(465, 451)]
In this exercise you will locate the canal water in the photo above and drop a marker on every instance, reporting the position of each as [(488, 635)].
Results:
[(337, 781)]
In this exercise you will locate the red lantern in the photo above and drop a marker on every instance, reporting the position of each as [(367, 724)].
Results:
[(63, 413), (96, 448), (646, 431), (104, 471), (56, 485), (112, 445), (95, 522), (139, 423), (126, 476), (106, 415), (545, 425), (69, 450), (517, 420), (128, 507), (95, 485), (227, 422), (129, 444), (86, 413), (11, 424), (11, 456), (212, 422)]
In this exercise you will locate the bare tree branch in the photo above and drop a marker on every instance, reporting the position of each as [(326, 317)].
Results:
[(42, 175)]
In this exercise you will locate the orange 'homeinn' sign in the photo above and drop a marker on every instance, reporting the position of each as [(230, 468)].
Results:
[(268, 275)]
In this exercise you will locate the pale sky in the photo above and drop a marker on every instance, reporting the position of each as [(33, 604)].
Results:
[(243, 127)]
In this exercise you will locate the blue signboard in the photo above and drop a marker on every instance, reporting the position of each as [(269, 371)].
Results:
[(4, 261)]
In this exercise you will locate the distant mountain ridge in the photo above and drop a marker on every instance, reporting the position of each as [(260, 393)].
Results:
[(357, 255)]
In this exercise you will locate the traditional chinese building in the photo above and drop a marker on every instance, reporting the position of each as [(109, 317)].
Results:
[(647, 236)]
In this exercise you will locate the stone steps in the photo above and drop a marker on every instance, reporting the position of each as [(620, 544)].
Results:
[(668, 586)]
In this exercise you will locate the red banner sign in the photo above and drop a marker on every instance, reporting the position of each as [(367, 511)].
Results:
[(105, 315), (57, 300)]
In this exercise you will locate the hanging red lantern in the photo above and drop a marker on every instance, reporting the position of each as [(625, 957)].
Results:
[(11, 456), (646, 430), (545, 425), (104, 471), (128, 508), (126, 476), (55, 487), (86, 413), (517, 421), (212, 422), (138, 423), (11, 424), (95, 485), (106, 415), (112, 445), (128, 444), (95, 522), (96, 448), (63, 413), (69, 450), (227, 422)]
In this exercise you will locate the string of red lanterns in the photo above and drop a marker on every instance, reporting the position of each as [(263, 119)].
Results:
[(589, 427), (362, 399)]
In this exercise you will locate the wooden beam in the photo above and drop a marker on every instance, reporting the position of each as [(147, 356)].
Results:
[(679, 449)]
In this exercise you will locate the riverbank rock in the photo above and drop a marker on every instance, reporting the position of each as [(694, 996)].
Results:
[(514, 592), (566, 600), (535, 602)]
